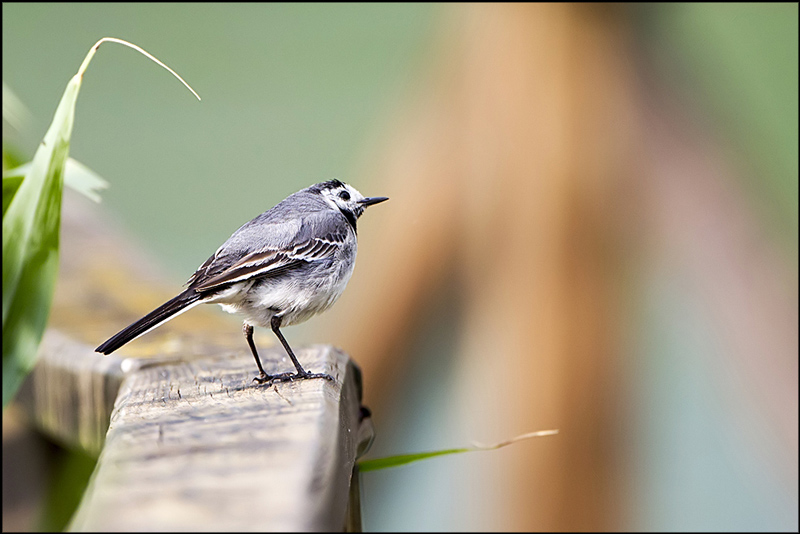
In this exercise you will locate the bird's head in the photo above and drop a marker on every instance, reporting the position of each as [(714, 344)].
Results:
[(346, 198)]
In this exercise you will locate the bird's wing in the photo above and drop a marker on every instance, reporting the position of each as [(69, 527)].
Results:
[(308, 244)]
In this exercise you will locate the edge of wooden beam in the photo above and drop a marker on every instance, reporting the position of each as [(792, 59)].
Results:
[(198, 446)]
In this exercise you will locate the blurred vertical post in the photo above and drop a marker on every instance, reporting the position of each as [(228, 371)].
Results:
[(505, 175)]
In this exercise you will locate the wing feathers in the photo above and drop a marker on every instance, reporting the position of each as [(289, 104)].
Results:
[(269, 262)]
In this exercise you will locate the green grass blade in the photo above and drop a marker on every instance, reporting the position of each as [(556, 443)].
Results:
[(403, 459), (31, 223), (77, 176), (14, 111), (31, 226), (10, 185), (84, 180), (29, 217)]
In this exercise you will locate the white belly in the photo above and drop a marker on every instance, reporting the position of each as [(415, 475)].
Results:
[(294, 298)]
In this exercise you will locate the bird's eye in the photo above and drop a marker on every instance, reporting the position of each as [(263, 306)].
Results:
[(344, 195)]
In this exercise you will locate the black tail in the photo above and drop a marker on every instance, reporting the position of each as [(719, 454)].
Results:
[(160, 315)]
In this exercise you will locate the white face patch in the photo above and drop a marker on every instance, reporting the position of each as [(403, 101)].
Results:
[(345, 198)]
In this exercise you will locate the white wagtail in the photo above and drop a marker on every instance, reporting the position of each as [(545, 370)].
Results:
[(289, 263)]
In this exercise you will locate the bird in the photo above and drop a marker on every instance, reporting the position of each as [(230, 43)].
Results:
[(279, 269)]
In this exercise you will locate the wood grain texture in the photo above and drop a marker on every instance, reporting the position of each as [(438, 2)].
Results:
[(70, 393), (199, 446)]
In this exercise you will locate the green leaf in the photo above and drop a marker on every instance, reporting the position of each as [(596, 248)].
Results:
[(31, 223), (30, 247), (84, 180), (403, 459), (10, 186), (14, 111), (77, 176)]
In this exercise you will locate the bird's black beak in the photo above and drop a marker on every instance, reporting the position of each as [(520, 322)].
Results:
[(372, 200)]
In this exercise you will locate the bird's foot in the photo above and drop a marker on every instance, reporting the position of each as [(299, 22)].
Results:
[(306, 375), (289, 377), (263, 377)]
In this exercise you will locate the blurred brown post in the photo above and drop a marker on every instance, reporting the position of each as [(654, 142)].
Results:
[(506, 177)]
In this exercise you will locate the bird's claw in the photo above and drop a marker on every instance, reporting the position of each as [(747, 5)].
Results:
[(289, 377)]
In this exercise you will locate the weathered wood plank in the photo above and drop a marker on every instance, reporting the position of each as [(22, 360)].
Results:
[(71, 391), (198, 446)]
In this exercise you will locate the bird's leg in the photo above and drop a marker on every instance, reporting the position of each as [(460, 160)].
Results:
[(248, 334), (301, 373), (276, 324)]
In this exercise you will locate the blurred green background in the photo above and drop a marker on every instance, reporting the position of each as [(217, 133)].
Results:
[(292, 95), (738, 62), (297, 94)]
